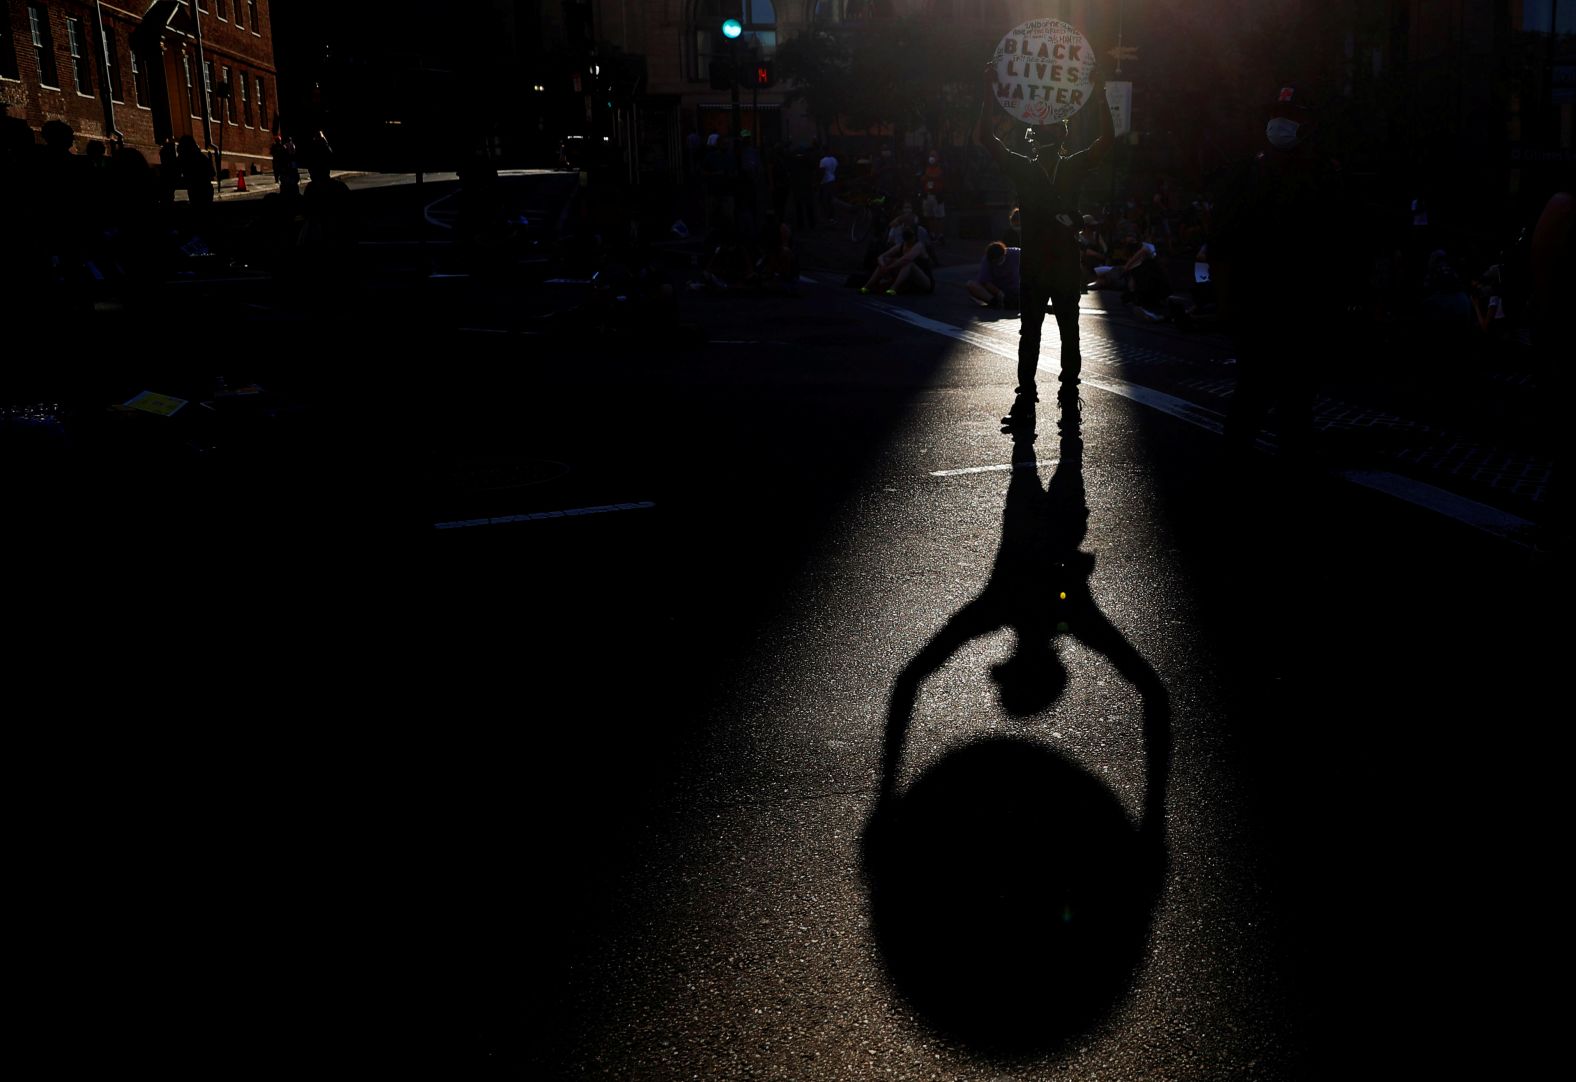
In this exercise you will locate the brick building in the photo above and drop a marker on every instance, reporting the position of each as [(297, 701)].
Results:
[(145, 71)]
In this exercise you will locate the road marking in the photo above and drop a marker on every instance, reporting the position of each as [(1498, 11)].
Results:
[(1422, 494), (993, 469), (538, 516), (1480, 516), (426, 211)]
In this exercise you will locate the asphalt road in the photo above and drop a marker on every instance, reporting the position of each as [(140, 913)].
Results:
[(603, 706)]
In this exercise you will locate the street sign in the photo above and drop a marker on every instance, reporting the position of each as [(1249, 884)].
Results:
[(1119, 96), (1043, 71), (1123, 52)]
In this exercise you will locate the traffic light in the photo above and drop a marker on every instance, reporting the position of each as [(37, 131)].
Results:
[(721, 75), (763, 75)]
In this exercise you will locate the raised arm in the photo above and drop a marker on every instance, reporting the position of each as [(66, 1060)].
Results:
[(1107, 137), (984, 135)]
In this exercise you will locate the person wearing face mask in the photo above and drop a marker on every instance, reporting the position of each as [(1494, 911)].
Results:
[(1277, 269)]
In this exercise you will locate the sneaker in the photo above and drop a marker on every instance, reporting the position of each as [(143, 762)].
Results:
[(864, 290), (891, 293)]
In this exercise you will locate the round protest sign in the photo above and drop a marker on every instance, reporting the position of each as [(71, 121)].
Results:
[(1043, 71)]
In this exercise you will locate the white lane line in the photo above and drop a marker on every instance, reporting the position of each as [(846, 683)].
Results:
[(1181, 408), (993, 469), (1421, 494), (427, 211), (1470, 512), (538, 516)]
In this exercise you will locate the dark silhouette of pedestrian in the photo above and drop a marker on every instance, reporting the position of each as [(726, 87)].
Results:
[(60, 199), (479, 227), (286, 174), (803, 176), (197, 178), (1278, 269), (169, 169), (329, 234), (1051, 266)]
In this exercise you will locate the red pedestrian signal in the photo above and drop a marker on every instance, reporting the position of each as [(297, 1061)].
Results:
[(764, 76)]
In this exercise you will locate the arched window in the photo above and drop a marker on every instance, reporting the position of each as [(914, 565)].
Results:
[(830, 12), (858, 11), (759, 38)]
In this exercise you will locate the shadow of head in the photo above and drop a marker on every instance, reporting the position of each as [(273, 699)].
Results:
[(1010, 897), (1029, 681)]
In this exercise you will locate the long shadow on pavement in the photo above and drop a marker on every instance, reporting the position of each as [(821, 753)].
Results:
[(1011, 894)]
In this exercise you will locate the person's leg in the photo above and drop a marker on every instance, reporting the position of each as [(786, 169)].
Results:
[(1249, 399), (1033, 320), (913, 277), (1295, 390), (979, 292), (1065, 306)]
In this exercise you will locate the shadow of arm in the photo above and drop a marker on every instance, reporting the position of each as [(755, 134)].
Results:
[(969, 622), (1098, 633)]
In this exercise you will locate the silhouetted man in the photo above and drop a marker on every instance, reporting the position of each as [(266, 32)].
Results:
[(1051, 266)]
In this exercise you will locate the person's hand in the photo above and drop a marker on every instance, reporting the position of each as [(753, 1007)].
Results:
[(990, 76)]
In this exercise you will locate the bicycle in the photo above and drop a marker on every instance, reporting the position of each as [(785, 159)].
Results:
[(867, 210)]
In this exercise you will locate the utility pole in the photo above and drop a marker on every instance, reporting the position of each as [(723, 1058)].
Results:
[(106, 91), (731, 29), (202, 79)]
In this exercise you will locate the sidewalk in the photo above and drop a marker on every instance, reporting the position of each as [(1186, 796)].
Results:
[(261, 184)]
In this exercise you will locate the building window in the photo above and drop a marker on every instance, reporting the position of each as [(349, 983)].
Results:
[(220, 6), (227, 93), (251, 14), (139, 81), (246, 100), (117, 88), (207, 88), (191, 94), (1544, 17), (759, 38), (262, 103), (43, 44), (239, 7), (9, 68), (81, 66), (858, 11)]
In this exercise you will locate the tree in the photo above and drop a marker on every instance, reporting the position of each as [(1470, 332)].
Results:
[(817, 67)]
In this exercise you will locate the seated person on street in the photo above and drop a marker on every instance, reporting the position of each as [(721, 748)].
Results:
[(996, 285), (900, 267), (1092, 244), (1113, 276), (779, 263), (906, 217)]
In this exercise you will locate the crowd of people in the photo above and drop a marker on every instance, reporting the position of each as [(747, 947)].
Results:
[(86, 220)]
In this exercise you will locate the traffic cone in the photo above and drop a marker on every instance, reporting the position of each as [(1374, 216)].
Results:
[(240, 180)]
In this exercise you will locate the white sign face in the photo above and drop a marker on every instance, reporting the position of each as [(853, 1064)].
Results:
[(1119, 96), (1043, 71)]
